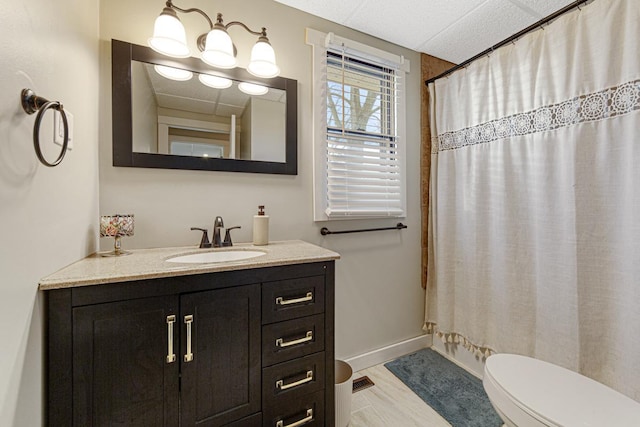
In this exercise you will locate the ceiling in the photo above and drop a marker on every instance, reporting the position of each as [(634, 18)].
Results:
[(193, 96), (455, 30)]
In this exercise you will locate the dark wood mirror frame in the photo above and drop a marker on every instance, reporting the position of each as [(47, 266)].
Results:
[(122, 53)]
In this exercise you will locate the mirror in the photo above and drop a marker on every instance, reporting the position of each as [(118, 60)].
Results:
[(190, 118), (160, 122)]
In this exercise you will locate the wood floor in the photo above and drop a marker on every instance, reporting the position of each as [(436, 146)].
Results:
[(390, 403)]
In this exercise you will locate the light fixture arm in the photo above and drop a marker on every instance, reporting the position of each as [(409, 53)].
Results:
[(219, 21), (170, 5), (262, 33)]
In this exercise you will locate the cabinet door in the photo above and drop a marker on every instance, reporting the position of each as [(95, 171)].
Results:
[(221, 370), (122, 375)]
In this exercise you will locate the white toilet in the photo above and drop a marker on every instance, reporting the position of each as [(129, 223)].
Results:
[(528, 392)]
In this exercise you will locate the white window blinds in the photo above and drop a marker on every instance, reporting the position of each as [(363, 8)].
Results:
[(364, 165)]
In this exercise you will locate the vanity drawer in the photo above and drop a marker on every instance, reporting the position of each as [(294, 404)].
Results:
[(289, 299), (289, 379), (307, 411), (292, 339)]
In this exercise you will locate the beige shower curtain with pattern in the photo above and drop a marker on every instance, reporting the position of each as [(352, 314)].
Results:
[(534, 220)]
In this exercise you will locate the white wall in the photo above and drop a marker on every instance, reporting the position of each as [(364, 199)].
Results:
[(379, 298), (268, 131), (145, 129), (48, 215), (245, 137)]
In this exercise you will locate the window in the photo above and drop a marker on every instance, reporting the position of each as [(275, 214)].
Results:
[(359, 130), (183, 148)]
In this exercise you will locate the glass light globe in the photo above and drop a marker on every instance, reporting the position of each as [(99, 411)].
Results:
[(218, 51), (214, 81), (263, 61), (169, 37), (173, 73), (252, 89)]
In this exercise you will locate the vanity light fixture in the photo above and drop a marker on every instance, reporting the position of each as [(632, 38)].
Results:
[(214, 81), (169, 38), (173, 73), (252, 89)]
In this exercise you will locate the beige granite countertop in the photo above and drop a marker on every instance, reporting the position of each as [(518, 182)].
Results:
[(150, 263)]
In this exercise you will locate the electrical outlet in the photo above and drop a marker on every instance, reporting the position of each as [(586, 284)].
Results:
[(58, 128)]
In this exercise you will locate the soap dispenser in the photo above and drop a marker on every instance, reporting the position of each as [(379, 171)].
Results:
[(261, 228)]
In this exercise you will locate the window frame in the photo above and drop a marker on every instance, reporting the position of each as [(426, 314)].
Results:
[(322, 43)]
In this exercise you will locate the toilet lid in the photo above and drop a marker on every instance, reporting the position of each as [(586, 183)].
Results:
[(560, 397)]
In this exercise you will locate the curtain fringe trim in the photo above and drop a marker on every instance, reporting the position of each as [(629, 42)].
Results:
[(458, 339)]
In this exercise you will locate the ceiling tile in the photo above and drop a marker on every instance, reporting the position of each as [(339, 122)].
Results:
[(224, 110), (185, 104), (542, 7), (333, 10), (408, 23), (452, 30), (233, 96), (275, 95), (488, 25)]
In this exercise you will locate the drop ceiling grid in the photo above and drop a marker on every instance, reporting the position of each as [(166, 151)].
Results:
[(184, 104), (541, 8), (451, 30), (489, 24), (408, 23), (333, 10)]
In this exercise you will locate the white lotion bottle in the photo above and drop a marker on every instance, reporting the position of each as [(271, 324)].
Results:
[(261, 228)]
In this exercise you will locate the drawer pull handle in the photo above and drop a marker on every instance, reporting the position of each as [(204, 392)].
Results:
[(282, 386), (171, 356), (188, 320), (303, 421), (282, 301), (282, 343)]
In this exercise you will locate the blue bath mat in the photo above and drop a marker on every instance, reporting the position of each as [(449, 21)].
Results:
[(451, 391)]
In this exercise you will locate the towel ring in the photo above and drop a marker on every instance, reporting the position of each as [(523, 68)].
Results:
[(32, 103)]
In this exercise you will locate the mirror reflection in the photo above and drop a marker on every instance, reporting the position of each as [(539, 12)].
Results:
[(184, 113)]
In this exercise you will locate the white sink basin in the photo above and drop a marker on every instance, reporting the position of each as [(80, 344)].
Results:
[(217, 256)]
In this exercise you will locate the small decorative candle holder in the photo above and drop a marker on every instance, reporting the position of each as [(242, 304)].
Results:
[(116, 226)]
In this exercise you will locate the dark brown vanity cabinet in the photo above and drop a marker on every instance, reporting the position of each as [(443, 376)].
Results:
[(117, 377), (294, 351), (209, 373), (241, 348)]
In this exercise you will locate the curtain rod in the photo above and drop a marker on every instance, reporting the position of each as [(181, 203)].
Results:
[(539, 24)]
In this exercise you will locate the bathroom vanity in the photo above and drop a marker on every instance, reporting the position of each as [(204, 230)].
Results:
[(139, 341)]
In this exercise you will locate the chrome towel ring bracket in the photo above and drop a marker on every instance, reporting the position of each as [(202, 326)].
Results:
[(31, 103)]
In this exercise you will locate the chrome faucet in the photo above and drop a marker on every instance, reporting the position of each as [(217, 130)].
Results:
[(216, 241)]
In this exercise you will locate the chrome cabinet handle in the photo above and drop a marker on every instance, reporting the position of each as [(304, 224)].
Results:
[(282, 386), (280, 342), (303, 421), (282, 301), (171, 356), (188, 320)]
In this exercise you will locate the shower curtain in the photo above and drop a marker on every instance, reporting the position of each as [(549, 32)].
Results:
[(534, 218)]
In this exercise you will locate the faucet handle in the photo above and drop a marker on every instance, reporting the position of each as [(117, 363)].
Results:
[(227, 236), (204, 242)]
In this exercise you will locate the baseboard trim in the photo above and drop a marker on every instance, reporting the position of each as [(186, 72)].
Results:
[(389, 352), (476, 368)]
